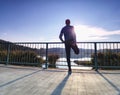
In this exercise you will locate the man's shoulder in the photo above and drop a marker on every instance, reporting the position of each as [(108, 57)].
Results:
[(72, 26), (68, 26), (65, 28)]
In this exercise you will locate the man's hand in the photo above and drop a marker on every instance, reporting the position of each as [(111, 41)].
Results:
[(63, 41)]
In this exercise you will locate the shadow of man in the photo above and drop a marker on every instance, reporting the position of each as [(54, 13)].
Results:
[(59, 88)]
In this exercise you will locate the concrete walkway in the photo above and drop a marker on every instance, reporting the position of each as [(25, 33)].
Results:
[(16, 80)]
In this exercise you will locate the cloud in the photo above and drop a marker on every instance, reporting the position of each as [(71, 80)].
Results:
[(3, 34), (90, 33)]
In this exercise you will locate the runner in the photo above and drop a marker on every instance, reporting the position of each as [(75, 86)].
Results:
[(69, 40)]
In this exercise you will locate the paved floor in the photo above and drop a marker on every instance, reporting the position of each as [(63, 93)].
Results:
[(35, 81)]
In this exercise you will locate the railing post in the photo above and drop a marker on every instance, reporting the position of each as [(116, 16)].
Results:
[(8, 53), (96, 64), (46, 65)]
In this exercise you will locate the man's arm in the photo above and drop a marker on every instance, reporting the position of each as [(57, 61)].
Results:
[(60, 37)]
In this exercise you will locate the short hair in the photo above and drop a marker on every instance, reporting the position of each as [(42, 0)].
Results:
[(67, 22)]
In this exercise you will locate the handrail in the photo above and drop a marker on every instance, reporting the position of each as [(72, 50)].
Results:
[(87, 49), (60, 42)]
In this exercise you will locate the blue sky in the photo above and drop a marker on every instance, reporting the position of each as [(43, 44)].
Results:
[(42, 20)]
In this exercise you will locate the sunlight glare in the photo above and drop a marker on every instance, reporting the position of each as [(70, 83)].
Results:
[(90, 33)]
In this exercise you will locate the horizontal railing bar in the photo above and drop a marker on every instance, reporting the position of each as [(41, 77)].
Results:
[(24, 62), (54, 42)]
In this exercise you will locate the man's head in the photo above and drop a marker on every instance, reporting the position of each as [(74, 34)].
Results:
[(67, 22)]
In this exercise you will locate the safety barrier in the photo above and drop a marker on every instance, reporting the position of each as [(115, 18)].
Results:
[(92, 54)]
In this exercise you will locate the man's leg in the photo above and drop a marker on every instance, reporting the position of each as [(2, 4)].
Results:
[(67, 48), (75, 49)]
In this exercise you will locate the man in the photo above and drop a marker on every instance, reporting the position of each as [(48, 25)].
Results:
[(69, 40)]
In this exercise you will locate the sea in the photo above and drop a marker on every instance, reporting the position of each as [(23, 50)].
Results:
[(62, 63)]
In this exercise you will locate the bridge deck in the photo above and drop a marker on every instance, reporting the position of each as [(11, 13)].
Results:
[(16, 80)]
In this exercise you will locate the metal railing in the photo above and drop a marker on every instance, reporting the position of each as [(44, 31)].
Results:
[(93, 54)]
